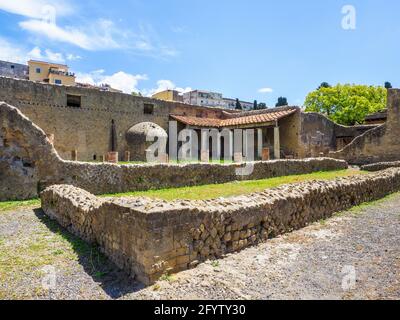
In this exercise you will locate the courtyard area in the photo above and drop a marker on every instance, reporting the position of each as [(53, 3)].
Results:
[(310, 263)]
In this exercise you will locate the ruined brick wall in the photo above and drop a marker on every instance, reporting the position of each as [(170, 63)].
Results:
[(31, 163), (149, 238), (319, 134), (381, 144)]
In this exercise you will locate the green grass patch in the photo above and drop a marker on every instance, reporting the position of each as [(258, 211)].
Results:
[(208, 191), (236, 188), (170, 162), (12, 205)]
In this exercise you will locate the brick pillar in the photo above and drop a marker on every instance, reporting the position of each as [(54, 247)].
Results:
[(265, 154), (238, 157), (112, 157), (163, 158)]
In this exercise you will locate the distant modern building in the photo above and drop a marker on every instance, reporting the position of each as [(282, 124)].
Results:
[(213, 99), (204, 98), (231, 104), (14, 70), (169, 95), (53, 73)]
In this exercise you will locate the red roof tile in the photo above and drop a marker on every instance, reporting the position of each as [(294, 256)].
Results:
[(236, 121)]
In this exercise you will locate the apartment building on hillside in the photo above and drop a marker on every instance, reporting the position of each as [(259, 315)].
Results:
[(53, 73)]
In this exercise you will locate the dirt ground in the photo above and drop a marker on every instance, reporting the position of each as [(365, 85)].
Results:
[(354, 255)]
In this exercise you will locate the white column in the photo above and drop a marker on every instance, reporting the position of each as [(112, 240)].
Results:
[(205, 149), (277, 143), (259, 143)]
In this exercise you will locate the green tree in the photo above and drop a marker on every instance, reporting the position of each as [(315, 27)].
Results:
[(388, 85), (347, 104), (324, 85), (262, 106), (238, 105), (282, 101), (255, 105)]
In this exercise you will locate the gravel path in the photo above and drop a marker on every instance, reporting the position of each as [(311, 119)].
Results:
[(355, 255)]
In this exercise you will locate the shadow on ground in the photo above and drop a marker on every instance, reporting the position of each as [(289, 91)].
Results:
[(115, 282)]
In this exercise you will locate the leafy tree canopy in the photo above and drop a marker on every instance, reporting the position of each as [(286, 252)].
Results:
[(347, 104), (324, 85), (388, 85), (238, 105), (262, 106), (282, 101)]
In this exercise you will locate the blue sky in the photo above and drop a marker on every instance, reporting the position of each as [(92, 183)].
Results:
[(287, 48)]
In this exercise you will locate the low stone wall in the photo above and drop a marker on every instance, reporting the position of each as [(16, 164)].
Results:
[(29, 163), (149, 238), (380, 166)]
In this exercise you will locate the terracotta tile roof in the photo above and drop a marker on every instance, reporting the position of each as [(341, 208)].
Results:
[(258, 118), (198, 122)]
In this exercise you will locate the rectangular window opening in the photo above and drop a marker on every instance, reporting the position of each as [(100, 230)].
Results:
[(148, 108), (73, 101)]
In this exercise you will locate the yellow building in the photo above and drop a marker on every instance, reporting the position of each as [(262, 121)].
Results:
[(168, 95), (52, 73)]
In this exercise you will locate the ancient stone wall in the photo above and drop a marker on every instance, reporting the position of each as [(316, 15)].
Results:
[(30, 163), (381, 144), (149, 238), (87, 128), (380, 166), (319, 134)]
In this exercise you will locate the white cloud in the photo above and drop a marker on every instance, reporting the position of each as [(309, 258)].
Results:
[(38, 9), (73, 57), (12, 53), (48, 55), (265, 90), (123, 81), (163, 85), (100, 38), (15, 53), (87, 33)]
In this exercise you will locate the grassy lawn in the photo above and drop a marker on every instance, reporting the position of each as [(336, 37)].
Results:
[(236, 188), (208, 191), (170, 162), (11, 205)]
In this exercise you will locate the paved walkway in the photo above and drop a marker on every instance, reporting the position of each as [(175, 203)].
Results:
[(355, 255)]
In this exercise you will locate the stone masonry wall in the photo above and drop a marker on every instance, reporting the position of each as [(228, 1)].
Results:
[(87, 129), (30, 163), (380, 166), (381, 144), (149, 238)]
